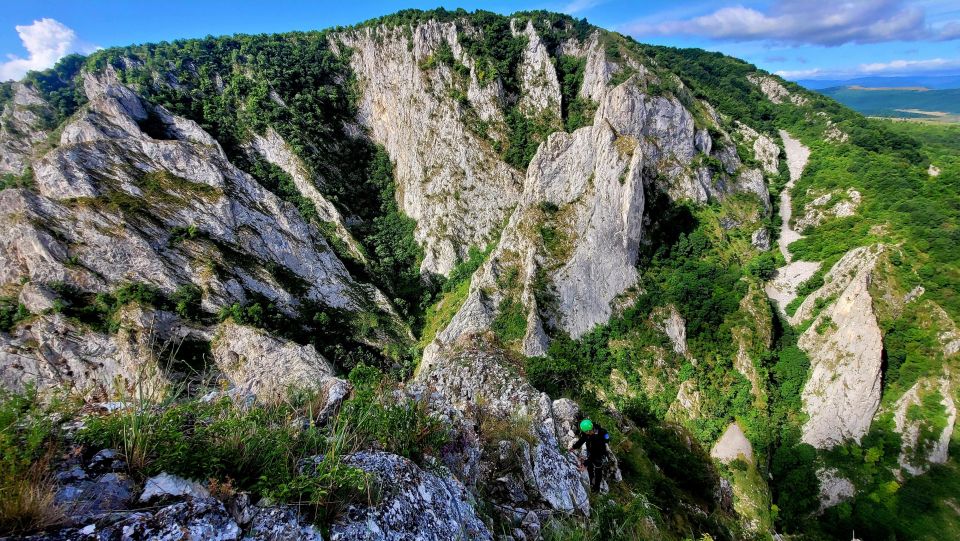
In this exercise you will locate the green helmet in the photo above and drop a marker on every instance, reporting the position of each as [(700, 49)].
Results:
[(586, 425)]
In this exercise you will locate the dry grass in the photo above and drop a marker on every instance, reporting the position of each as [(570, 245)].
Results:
[(27, 501)]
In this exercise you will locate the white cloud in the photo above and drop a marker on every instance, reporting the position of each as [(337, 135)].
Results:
[(800, 22), (912, 66), (576, 6), (893, 67), (46, 41), (800, 74)]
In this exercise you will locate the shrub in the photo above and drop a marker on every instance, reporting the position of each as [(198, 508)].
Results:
[(11, 313), (186, 300)]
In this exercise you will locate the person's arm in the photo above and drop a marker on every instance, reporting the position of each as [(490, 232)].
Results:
[(579, 443)]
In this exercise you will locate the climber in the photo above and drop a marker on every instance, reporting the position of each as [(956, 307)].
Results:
[(596, 439)]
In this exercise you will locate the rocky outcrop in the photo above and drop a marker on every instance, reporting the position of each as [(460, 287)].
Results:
[(918, 453), (257, 363), (275, 150), (451, 181), (774, 91), (687, 404), (413, 504), (474, 373), (53, 351), (111, 197), (844, 344), (817, 211), (668, 320), (753, 339), (765, 150), (23, 124), (538, 78), (115, 204), (834, 488), (732, 445), (584, 196), (165, 486)]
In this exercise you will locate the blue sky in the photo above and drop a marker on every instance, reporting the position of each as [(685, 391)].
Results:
[(795, 38)]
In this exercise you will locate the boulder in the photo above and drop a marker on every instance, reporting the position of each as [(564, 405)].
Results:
[(280, 523), (165, 485), (196, 518), (258, 363), (413, 504), (84, 499), (475, 372)]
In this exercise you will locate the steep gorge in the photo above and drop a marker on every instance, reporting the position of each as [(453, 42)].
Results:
[(523, 219)]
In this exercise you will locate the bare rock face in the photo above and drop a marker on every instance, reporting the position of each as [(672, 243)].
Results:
[(449, 179), (21, 127), (55, 352), (774, 91), (275, 150), (918, 453), (111, 196), (834, 488), (761, 239), (844, 344), (669, 321), (414, 504), (540, 87), (473, 372), (688, 402), (266, 366), (765, 150), (733, 444), (583, 197), (115, 204)]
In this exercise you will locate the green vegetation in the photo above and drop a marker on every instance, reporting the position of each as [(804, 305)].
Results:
[(23, 180), (510, 324), (255, 448), (11, 313), (99, 311), (26, 452)]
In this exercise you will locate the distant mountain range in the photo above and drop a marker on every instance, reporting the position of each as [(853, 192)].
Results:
[(933, 82)]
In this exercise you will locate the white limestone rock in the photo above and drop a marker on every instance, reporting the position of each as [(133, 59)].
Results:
[(167, 485), (916, 455), (414, 504), (732, 445), (774, 91), (844, 344), (475, 372), (21, 128), (538, 78), (669, 321), (449, 180), (258, 363), (834, 488), (765, 150)]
